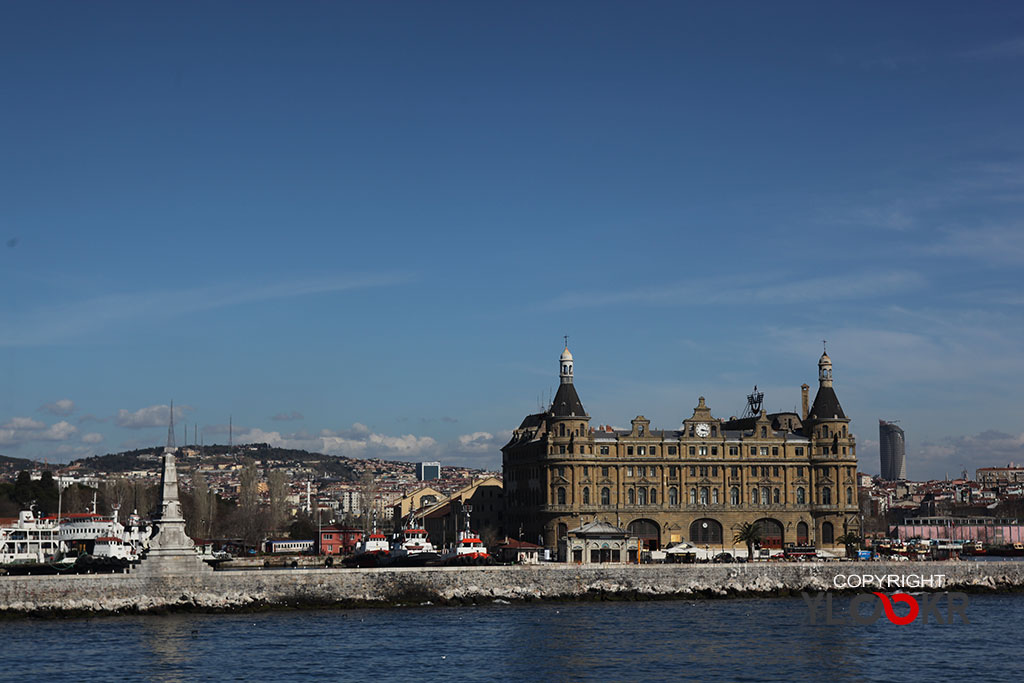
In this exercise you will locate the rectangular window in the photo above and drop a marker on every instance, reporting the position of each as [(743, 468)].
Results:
[(693, 451), (561, 449), (799, 450), (714, 450), (714, 471), (799, 471), (693, 471), (764, 450), (652, 470), (586, 470), (734, 450), (604, 471), (673, 472), (629, 450), (703, 450), (671, 450), (654, 450), (764, 471), (775, 450), (775, 471), (736, 472), (629, 471), (753, 450), (703, 471), (753, 470), (561, 471), (640, 450), (604, 450)]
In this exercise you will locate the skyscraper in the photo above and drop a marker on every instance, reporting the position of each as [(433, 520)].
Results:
[(892, 449)]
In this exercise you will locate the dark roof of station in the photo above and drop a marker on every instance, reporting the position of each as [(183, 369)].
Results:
[(826, 405), (567, 402)]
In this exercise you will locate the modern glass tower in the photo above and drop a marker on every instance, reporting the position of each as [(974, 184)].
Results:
[(892, 449)]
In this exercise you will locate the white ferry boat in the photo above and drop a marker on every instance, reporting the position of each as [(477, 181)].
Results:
[(30, 541)]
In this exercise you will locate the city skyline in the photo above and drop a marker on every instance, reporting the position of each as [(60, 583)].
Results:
[(364, 231)]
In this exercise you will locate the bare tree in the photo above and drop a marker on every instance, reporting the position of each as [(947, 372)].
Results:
[(204, 506), (368, 511), (277, 488), (251, 521)]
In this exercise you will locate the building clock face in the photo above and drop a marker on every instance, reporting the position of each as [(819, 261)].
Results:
[(703, 429)]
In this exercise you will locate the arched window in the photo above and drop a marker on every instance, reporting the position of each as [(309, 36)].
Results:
[(764, 432), (801, 496), (828, 533), (764, 496), (734, 496), (606, 496), (849, 495), (753, 496), (561, 429), (703, 495), (561, 495), (693, 496), (673, 496), (824, 431), (706, 531), (775, 496), (714, 496), (801, 533), (641, 496), (631, 497), (586, 496), (826, 496), (654, 496)]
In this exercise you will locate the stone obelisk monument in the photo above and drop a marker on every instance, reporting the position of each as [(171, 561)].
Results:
[(171, 551)]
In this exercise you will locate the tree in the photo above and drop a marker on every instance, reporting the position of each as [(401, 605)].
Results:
[(850, 540), (277, 488), (204, 506), (748, 533)]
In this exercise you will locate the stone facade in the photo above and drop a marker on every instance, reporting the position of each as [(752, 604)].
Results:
[(793, 475)]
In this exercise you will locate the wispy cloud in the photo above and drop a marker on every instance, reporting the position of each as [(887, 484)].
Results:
[(997, 245), (860, 285), (61, 408), (69, 321), (20, 430), (145, 418), (1004, 49)]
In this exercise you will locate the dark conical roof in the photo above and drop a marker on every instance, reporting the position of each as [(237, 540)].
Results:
[(567, 402), (826, 405)]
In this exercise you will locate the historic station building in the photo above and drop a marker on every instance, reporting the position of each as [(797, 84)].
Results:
[(794, 476)]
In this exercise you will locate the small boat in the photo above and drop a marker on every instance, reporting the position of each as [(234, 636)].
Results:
[(413, 549), (372, 551), (470, 550)]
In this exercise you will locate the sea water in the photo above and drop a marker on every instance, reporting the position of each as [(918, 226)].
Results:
[(755, 639)]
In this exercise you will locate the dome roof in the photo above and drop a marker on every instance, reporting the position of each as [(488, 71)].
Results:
[(824, 359), (566, 355)]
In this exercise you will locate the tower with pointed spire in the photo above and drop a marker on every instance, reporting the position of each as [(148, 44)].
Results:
[(171, 551)]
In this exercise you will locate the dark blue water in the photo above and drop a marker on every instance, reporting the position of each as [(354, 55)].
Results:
[(741, 640)]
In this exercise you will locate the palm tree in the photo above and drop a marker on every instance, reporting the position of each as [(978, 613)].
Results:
[(850, 540), (748, 533)]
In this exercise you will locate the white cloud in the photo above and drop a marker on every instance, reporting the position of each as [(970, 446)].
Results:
[(143, 418), (477, 442), (62, 407), (92, 437), (20, 430), (357, 442), (24, 423)]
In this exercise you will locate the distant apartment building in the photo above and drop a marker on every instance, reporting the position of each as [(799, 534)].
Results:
[(892, 451), (1000, 476), (428, 471)]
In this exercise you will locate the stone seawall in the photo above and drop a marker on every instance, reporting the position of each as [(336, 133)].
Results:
[(228, 590)]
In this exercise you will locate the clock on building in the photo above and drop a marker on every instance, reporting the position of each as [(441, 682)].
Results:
[(703, 430)]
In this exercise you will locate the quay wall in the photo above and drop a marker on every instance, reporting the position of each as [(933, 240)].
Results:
[(250, 589)]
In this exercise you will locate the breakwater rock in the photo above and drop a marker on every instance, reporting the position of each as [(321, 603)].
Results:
[(140, 591)]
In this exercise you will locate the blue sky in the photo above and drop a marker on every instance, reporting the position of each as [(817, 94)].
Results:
[(364, 228)]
